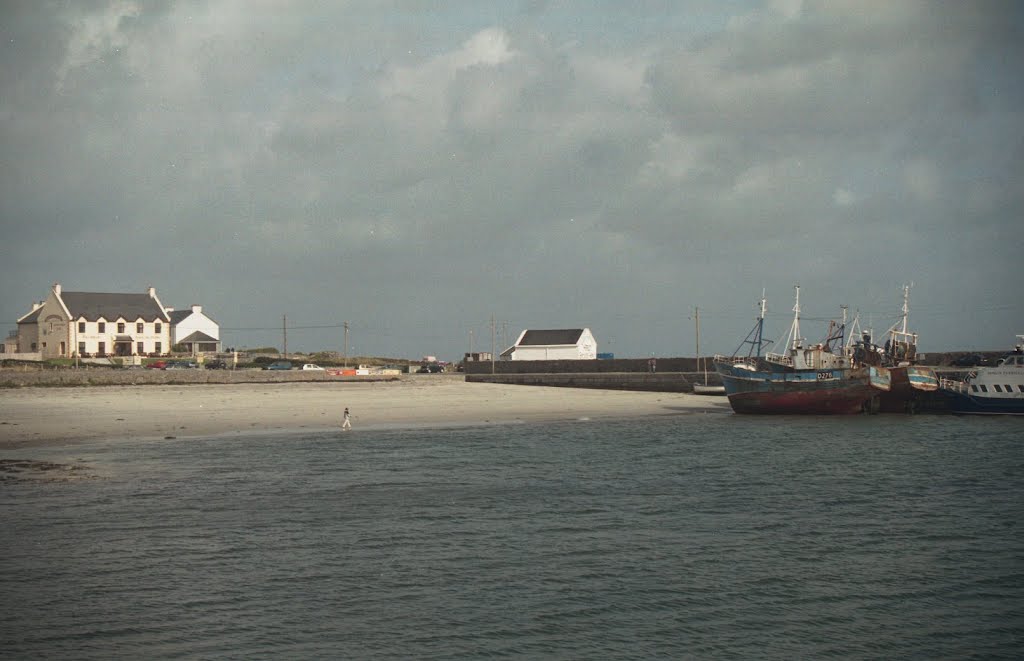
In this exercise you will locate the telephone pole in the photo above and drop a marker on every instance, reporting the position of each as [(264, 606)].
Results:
[(284, 329), (346, 343), (492, 344)]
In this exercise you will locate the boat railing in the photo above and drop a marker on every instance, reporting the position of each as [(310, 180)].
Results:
[(736, 360), (779, 359), (954, 385)]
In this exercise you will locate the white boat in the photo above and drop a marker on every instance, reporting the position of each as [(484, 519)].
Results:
[(704, 388), (995, 390)]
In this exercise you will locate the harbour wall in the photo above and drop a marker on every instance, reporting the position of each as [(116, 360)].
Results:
[(657, 382)]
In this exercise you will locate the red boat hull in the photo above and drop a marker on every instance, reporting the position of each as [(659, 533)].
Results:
[(846, 401), (905, 391)]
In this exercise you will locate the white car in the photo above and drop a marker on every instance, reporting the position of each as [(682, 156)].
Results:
[(311, 367)]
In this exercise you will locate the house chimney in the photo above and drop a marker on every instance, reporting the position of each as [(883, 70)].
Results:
[(152, 292), (56, 288), (197, 308), (36, 305)]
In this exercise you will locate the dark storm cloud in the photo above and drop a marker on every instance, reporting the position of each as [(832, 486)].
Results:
[(415, 170)]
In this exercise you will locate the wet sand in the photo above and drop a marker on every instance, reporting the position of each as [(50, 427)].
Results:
[(34, 416)]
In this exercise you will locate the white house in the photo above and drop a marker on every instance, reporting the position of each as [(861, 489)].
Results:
[(562, 344), (193, 330), (70, 323)]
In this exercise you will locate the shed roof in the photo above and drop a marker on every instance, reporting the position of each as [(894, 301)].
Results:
[(551, 337)]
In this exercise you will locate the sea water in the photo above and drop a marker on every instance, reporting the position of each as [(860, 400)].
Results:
[(688, 536)]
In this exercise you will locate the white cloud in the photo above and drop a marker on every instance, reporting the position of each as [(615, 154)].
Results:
[(843, 197), (438, 155)]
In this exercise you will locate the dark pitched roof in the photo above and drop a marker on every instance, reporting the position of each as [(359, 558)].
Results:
[(198, 336), (32, 317), (92, 305), (551, 337), (177, 315)]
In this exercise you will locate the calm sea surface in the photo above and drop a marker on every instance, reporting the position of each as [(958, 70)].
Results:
[(693, 536)]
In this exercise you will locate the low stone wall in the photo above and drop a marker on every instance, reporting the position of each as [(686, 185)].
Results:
[(18, 377), (658, 382), (615, 365)]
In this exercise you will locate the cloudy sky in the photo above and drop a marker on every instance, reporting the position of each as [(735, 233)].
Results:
[(417, 168)]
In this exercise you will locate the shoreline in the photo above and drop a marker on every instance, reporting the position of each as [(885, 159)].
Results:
[(37, 416)]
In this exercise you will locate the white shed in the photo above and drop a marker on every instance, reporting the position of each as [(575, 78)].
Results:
[(557, 344)]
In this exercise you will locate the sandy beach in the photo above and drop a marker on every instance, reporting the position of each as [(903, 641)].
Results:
[(35, 416)]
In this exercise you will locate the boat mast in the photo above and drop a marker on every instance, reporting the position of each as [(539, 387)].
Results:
[(696, 314), (760, 321), (756, 332), (794, 331), (906, 306)]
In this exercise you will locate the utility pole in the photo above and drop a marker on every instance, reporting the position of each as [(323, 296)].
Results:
[(284, 328), (346, 343), (471, 342), (492, 344)]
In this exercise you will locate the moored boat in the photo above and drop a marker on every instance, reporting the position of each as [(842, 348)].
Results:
[(995, 390), (895, 374), (704, 388), (804, 379)]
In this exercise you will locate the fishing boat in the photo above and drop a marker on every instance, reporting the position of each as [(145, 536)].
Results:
[(704, 388), (801, 379), (901, 383), (995, 390)]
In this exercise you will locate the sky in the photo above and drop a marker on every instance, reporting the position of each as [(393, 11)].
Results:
[(441, 175)]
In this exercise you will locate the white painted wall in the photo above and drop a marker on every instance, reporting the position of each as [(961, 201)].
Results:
[(584, 349), (197, 321)]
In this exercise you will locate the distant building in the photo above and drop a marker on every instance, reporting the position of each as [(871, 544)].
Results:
[(194, 331), (561, 344), (97, 324), (70, 323)]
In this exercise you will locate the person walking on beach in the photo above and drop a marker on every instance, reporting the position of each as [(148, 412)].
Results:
[(346, 423)]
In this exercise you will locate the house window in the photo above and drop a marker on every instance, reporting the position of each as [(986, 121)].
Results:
[(102, 349), (138, 327), (81, 327), (138, 348), (33, 347), (157, 347), (157, 327), (120, 327), (102, 327), (81, 348)]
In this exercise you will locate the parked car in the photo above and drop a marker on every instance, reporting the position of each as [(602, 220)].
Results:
[(432, 368), (157, 365), (279, 365), (215, 365), (182, 365), (311, 367)]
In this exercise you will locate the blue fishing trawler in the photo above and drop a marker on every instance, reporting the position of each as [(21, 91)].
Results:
[(803, 378)]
